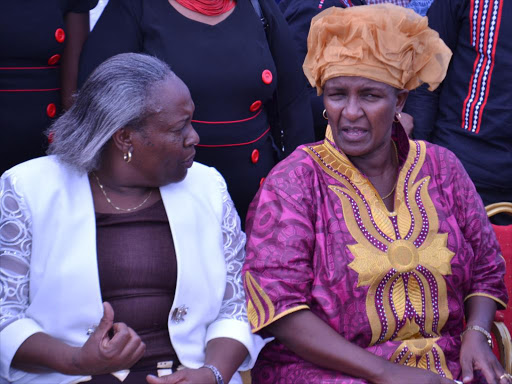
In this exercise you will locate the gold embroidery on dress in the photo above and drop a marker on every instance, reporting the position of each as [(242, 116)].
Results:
[(422, 353), (260, 309), (400, 255)]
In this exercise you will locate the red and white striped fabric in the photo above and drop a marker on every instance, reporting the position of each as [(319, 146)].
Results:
[(402, 3), (484, 29)]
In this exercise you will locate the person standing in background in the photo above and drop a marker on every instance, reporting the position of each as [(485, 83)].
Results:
[(40, 47), (471, 112), (96, 12), (420, 6), (250, 95)]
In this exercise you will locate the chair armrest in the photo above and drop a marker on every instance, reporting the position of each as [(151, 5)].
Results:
[(502, 335), (246, 377)]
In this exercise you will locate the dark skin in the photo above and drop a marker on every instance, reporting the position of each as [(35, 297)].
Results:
[(100, 354), (475, 353), (77, 29), (163, 150), (360, 114)]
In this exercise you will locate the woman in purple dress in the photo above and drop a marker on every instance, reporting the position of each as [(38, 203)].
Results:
[(368, 250)]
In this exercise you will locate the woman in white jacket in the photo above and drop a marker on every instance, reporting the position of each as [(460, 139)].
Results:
[(119, 213)]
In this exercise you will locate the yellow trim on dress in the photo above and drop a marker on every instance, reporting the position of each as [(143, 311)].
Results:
[(489, 296), (281, 315), (262, 313)]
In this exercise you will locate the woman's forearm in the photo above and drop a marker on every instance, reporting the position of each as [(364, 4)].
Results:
[(226, 355), (41, 352), (77, 29), (480, 310), (312, 339)]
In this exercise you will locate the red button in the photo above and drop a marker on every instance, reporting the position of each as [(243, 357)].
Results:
[(255, 106), (54, 59), (255, 156), (50, 137), (60, 36), (266, 76), (51, 110), (262, 180)]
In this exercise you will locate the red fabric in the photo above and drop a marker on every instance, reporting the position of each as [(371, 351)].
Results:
[(504, 235), (208, 7)]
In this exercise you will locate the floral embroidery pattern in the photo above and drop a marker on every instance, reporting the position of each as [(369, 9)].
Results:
[(400, 256)]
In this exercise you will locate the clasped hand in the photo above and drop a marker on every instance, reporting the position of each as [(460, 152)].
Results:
[(110, 348)]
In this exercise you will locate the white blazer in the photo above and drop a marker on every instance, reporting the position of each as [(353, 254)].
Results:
[(64, 298)]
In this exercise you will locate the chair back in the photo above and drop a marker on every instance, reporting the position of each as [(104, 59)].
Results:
[(504, 235), (503, 320)]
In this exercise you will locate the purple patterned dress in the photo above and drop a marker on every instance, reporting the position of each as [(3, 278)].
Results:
[(394, 283)]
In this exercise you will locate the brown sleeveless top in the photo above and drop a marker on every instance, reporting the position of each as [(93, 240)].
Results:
[(137, 270)]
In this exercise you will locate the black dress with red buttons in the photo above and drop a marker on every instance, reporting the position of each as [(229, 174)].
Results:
[(32, 38), (232, 73)]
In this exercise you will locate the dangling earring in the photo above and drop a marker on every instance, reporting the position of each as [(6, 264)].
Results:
[(324, 114), (398, 116), (127, 156)]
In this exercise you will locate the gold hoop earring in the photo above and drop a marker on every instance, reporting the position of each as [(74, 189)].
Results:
[(324, 114), (397, 118), (127, 156)]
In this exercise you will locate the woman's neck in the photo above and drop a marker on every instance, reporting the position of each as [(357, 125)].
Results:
[(119, 182), (113, 193), (380, 162)]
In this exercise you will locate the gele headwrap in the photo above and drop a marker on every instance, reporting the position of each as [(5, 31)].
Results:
[(381, 42)]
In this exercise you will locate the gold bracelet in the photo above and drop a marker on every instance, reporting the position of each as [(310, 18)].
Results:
[(481, 330)]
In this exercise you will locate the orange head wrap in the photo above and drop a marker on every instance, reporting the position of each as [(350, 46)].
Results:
[(382, 42)]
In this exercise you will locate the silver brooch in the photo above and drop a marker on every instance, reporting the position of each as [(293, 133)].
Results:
[(178, 315)]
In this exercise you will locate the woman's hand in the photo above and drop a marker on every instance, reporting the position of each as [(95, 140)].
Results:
[(400, 374), (100, 354), (475, 354), (185, 376), (104, 354)]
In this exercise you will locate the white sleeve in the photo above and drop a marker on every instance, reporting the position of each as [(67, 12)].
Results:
[(232, 320), (233, 304), (15, 253), (15, 249)]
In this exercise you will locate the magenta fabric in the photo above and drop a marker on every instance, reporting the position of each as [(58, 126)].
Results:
[(301, 254)]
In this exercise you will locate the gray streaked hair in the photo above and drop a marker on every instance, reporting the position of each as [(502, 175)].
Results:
[(114, 96)]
